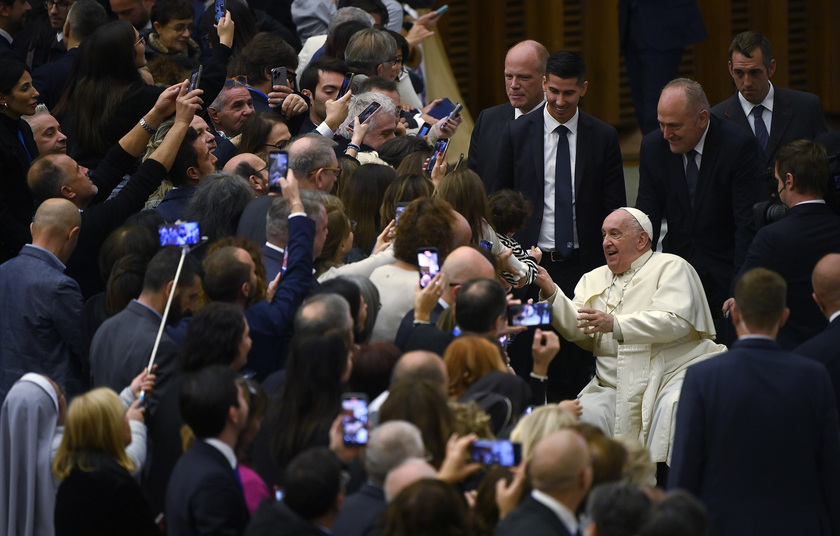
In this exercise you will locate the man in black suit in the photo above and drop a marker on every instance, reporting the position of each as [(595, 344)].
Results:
[(786, 115), (653, 35), (728, 437), (810, 229), (825, 347), (561, 475), (706, 197), (573, 181), (205, 495), (524, 71), (12, 20)]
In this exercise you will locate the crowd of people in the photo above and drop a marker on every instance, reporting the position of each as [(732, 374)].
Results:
[(244, 291)]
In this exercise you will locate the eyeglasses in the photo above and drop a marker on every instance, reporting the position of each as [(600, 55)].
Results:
[(279, 145), (180, 28), (49, 4), (335, 170), (236, 81), (259, 172), (142, 40)]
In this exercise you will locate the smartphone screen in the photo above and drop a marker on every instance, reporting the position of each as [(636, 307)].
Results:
[(279, 77), (424, 130), (486, 244), (345, 85), (180, 234), (195, 78), (440, 147), (220, 10), (278, 167), (398, 212), (530, 314), (369, 111), (354, 419), (427, 263), (496, 452)]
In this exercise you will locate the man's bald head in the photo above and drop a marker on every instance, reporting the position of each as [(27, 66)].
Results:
[(461, 230), (561, 466), (56, 227), (525, 65), (309, 154), (826, 282), (252, 168), (463, 264), (409, 472), (421, 365)]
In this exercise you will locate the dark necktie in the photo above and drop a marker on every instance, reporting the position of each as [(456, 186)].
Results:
[(760, 128), (564, 238), (691, 175)]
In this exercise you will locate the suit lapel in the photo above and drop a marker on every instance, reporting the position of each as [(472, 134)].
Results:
[(735, 112), (584, 139), (537, 141)]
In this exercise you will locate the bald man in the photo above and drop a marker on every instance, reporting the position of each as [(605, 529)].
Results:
[(561, 475), (825, 346), (253, 169), (414, 366), (523, 72), (460, 266), (40, 330), (406, 474)]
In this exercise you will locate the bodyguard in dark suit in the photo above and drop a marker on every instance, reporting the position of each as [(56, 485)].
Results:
[(561, 475), (786, 114), (707, 198), (757, 436), (524, 71), (825, 347), (653, 35), (205, 494), (793, 245), (10, 24)]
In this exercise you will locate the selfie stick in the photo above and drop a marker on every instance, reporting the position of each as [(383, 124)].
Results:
[(184, 251)]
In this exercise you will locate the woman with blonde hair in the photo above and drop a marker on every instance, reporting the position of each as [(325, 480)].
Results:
[(538, 424), (97, 494)]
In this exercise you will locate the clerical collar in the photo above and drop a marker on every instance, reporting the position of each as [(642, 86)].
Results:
[(638, 263)]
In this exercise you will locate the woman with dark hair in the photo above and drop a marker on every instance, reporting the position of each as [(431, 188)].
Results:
[(18, 97), (395, 150), (337, 39), (372, 367), (404, 189), (424, 405), (217, 335), (105, 94), (362, 194), (218, 203), (428, 507), (370, 295), (302, 416), (264, 132), (338, 243), (98, 494)]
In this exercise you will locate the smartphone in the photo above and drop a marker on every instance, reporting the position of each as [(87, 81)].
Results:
[(398, 212), (220, 10), (354, 419), (455, 112), (345, 86), (279, 77), (369, 111), (460, 161), (442, 9), (195, 78), (486, 244), (278, 167), (496, 452), (179, 234), (530, 314), (440, 147), (428, 264), (424, 130)]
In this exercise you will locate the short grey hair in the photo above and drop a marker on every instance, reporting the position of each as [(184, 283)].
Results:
[(220, 101), (277, 218), (369, 48), (347, 14), (84, 17), (359, 102), (39, 110), (310, 152), (695, 97), (333, 313), (389, 446)]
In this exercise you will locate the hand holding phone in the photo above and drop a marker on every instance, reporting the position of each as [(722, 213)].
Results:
[(278, 168), (440, 148), (279, 77), (219, 10), (428, 264), (530, 314), (354, 419), (496, 452)]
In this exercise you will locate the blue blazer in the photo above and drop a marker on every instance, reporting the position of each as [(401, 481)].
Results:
[(758, 441)]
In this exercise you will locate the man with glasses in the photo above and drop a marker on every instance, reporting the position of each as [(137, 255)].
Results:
[(171, 30), (12, 20), (42, 41), (251, 168)]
